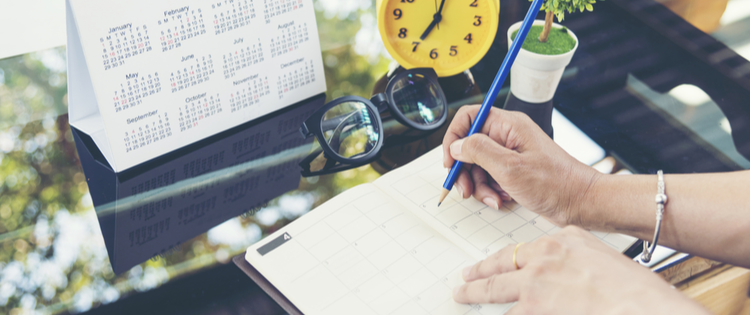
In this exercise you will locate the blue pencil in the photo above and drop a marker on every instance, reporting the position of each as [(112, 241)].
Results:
[(494, 89)]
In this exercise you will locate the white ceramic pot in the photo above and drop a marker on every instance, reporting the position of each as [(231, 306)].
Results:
[(534, 77)]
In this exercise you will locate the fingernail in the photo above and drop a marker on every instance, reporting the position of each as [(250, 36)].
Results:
[(504, 196), (455, 290), (460, 191), (456, 147), (491, 203), (466, 272)]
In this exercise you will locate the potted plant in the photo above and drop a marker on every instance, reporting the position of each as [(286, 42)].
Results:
[(545, 53)]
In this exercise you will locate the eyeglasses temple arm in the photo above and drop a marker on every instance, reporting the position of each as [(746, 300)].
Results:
[(380, 102), (305, 131)]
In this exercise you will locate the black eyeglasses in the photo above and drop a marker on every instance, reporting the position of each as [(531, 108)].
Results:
[(350, 131)]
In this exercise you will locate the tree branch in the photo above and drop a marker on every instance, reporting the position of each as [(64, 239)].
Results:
[(547, 26)]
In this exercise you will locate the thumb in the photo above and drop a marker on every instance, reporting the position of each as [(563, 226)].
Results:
[(481, 150)]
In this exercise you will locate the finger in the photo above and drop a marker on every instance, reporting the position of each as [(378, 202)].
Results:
[(500, 262), (464, 184), (482, 191), (504, 196), (519, 308), (458, 129), (479, 149), (498, 288)]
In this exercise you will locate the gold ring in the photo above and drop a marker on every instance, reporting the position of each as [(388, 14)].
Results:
[(515, 251)]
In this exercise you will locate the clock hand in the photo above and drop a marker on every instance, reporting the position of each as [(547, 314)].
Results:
[(429, 27), (440, 11), (435, 20)]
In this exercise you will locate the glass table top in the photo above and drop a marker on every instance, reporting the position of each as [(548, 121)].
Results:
[(650, 90)]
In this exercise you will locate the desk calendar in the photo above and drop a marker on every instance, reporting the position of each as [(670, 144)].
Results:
[(386, 248), (149, 77)]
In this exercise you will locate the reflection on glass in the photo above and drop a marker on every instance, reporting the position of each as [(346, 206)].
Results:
[(348, 129), (694, 110), (418, 99), (182, 196)]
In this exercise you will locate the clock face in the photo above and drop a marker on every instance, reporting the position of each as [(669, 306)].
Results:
[(450, 44)]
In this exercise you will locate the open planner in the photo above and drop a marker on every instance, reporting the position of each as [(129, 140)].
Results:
[(386, 248), (147, 77)]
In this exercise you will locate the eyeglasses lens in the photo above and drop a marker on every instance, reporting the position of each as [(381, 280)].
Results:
[(350, 130), (417, 98)]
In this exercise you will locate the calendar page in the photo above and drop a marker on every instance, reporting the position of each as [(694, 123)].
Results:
[(165, 74), (363, 253), (386, 248)]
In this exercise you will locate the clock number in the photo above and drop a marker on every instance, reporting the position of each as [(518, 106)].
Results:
[(478, 21), (397, 13), (409, 1), (454, 51), (473, 4), (402, 33), (415, 46), (468, 38), (433, 53)]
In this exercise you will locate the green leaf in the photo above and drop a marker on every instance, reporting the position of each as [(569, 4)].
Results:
[(558, 7)]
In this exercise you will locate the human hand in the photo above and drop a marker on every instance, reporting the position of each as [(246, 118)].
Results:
[(513, 157), (571, 272)]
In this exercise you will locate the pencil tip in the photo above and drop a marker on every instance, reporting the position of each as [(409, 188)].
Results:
[(443, 194)]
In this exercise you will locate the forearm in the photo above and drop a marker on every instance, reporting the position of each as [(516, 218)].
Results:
[(707, 214)]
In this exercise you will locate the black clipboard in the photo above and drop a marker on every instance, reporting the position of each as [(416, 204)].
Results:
[(264, 284)]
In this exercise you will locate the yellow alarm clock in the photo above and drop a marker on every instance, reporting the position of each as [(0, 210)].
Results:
[(449, 36)]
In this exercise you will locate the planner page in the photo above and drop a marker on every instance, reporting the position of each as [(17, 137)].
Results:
[(362, 253), (476, 228), (168, 73)]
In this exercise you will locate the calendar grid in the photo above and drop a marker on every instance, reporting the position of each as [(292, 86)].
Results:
[(251, 93), (124, 42), (197, 109), (387, 260), (135, 90), (179, 26), (148, 133), (386, 248), (242, 58), (193, 73), (290, 38), (232, 14), (276, 8), (300, 76)]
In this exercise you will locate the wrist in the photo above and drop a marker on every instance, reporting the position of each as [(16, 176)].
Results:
[(621, 204), (582, 210), (592, 214)]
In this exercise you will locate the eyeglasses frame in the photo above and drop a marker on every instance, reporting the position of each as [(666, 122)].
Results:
[(379, 103), (387, 98), (313, 127)]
